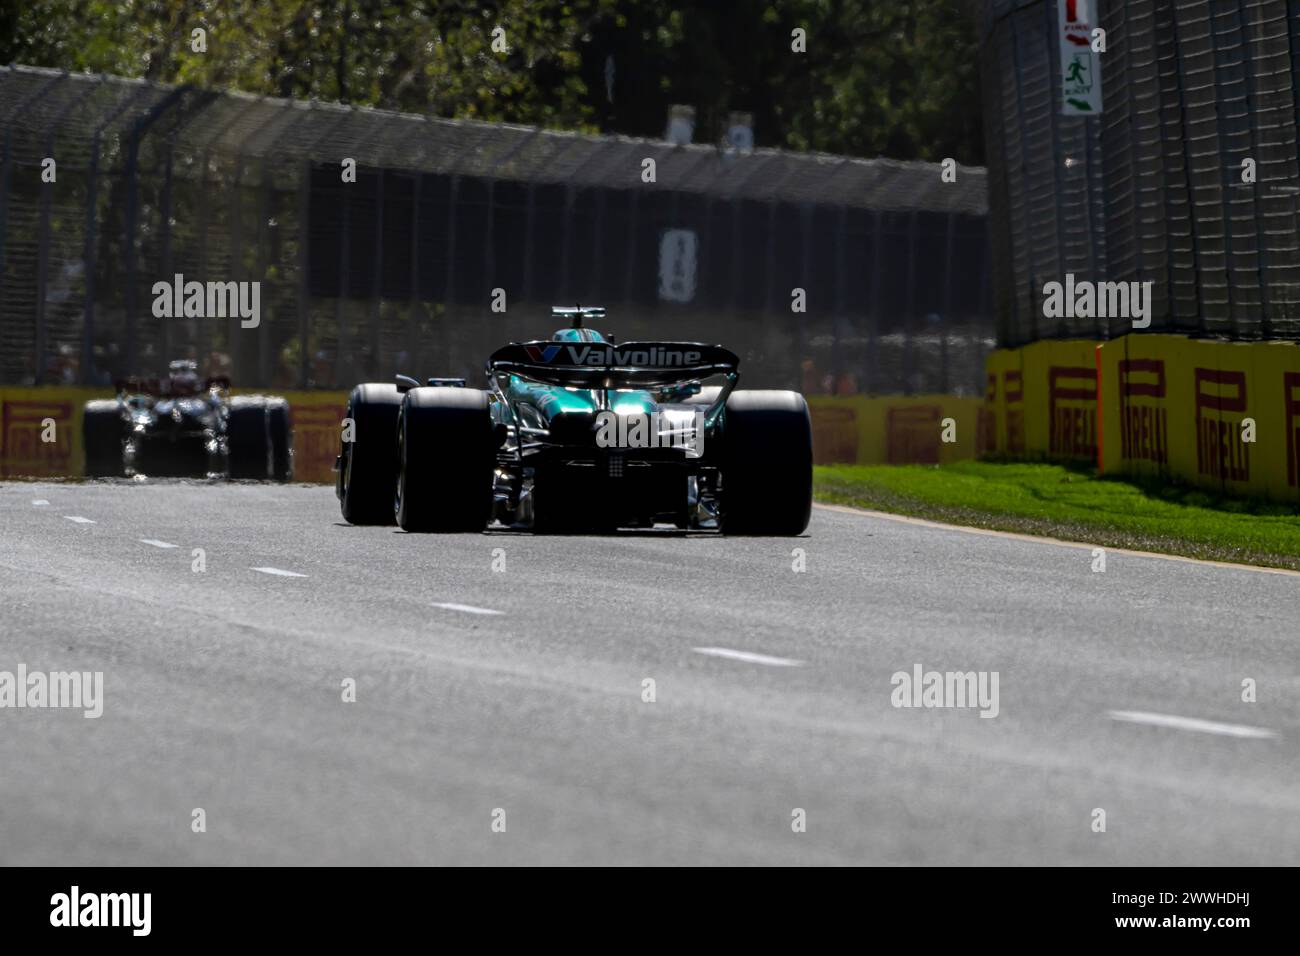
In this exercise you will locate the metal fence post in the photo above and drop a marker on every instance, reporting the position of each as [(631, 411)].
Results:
[(841, 252), (633, 209), (43, 245), (527, 291), (377, 289), (268, 359), (141, 127), (801, 319), (238, 272), (873, 335), (414, 303), (909, 349), (165, 338), (342, 371), (948, 283), (304, 272)]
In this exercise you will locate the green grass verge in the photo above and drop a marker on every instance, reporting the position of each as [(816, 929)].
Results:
[(1075, 504)]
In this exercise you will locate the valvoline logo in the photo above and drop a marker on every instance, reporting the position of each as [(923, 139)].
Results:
[(541, 353), (651, 356)]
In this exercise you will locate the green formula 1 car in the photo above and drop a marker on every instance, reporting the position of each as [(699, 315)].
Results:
[(578, 434)]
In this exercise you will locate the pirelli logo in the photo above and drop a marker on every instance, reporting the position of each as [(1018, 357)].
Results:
[(1143, 424), (1220, 406), (1072, 398), (912, 435), (835, 434), (315, 440), (1291, 401), (21, 450)]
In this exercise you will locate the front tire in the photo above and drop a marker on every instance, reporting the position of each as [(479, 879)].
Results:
[(767, 464), (446, 458)]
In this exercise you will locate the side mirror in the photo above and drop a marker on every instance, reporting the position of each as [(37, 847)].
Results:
[(405, 383)]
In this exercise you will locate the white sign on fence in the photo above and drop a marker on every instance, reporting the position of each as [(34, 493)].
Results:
[(677, 265), (1080, 64)]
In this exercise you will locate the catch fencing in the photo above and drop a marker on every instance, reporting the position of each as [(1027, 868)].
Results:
[(1187, 178), (400, 269)]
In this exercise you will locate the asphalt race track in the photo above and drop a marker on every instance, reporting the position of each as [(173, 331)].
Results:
[(521, 690)]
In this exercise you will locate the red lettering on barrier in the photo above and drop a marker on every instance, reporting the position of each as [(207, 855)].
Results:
[(1291, 382), (1072, 428), (835, 434), (1220, 452), (21, 450), (1144, 429), (316, 431), (912, 435)]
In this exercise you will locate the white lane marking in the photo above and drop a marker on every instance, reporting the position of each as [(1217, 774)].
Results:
[(1191, 723), (748, 657), (38, 502), (1044, 539), (279, 572), (78, 519), (158, 544), (467, 608)]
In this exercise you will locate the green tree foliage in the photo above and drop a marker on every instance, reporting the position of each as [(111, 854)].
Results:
[(880, 77)]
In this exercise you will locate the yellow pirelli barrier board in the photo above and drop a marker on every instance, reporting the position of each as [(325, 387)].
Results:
[(1004, 404), (1225, 416), (1042, 400), (896, 430), (40, 431)]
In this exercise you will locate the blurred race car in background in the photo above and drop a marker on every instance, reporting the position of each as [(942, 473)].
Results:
[(579, 434), (182, 426)]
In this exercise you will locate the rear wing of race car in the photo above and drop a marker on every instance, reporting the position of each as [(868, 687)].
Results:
[(604, 365)]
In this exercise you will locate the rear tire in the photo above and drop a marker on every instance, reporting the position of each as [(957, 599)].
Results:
[(368, 464), (446, 458), (248, 438), (281, 439), (103, 432), (767, 464)]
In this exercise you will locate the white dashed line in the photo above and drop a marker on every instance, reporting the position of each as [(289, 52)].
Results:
[(468, 609), (1191, 723), (747, 657), (78, 519), (158, 544), (40, 502), (279, 572)]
